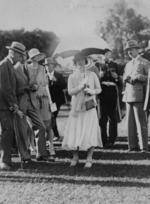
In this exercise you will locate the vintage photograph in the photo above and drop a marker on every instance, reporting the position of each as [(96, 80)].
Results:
[(74, 102)]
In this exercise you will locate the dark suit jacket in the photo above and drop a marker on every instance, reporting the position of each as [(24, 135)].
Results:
[(56, 89), (8, 96), (24, 94)]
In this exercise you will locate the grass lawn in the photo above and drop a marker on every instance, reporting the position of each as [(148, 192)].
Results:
[(116, 177)]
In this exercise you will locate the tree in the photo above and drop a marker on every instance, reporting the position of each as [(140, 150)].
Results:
[(43, 40), (122, 24)]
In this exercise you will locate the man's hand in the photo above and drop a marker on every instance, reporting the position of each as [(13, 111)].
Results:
[(133, 79), (101, 74), (54, 78), (114, 75), (33, 87), (19, 113)]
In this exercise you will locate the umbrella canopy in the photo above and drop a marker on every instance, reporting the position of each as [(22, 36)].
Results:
[(80, 42), (86, 52), (93, 51), (67, 53)]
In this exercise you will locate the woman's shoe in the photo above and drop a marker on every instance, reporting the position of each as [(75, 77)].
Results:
[(88, 164), (74, 162)]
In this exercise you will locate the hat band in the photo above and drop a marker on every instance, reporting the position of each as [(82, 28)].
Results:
[(16, 48)]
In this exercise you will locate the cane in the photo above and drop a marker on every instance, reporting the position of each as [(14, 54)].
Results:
[(17, 138)]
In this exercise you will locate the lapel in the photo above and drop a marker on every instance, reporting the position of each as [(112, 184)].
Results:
[(22, 74)]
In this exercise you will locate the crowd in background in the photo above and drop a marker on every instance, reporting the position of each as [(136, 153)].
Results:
[(32, 93)]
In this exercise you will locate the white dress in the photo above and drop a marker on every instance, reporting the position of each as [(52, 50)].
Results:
[(82, 130)]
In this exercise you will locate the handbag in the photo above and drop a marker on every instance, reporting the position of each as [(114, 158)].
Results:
[(89, 104)]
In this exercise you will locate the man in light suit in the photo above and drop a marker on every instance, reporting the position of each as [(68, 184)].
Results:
[(28, 103), (135, 79)]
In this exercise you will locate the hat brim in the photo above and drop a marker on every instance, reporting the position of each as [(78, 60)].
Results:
[(38, 58), (89, 64), (16, 50), (129, 48)]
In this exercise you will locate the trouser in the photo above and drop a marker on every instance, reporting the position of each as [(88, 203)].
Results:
[(49, 136), (136, 126), (7, 135), (38, 124), (54, 122), (108, 114)]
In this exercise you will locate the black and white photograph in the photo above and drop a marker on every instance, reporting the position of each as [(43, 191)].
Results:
[(74, 102)]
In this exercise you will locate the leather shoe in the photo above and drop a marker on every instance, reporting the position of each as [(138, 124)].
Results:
[(51, 158), (74, 162), (4, 166), (41, 158), (88, 164)]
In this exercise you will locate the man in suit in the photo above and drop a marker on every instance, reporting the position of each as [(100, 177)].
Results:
[(56, 86), (8, 101), (135, 79), (26, 93), (110, 82)]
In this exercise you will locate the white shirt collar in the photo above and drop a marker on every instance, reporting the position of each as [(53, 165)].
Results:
[(10, 59)]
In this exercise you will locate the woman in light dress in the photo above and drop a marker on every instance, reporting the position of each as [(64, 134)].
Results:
[(38, 76), (82, 130)]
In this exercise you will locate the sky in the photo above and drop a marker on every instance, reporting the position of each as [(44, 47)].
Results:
[(64, 17), (61, 16)]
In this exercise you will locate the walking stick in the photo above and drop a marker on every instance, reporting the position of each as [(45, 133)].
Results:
[(17, 138)]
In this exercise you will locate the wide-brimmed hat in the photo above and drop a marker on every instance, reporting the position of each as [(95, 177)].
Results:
[(36, 55), (50, 60), (131, 44), (79, 56), (17, 47)]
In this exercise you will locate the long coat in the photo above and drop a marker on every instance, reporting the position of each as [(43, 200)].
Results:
[(8, 96), (56, 89)]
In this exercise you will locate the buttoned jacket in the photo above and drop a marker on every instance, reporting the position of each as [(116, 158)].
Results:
[(137, 69)]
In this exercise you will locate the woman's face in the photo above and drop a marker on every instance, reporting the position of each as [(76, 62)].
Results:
[(81, 63)]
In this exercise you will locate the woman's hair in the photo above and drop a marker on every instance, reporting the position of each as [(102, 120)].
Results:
[(80, 56)]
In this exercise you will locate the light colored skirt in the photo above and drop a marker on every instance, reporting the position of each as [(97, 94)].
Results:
[(82, 131)]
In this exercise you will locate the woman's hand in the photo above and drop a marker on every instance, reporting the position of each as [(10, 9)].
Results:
[(89, 91), (83, 84)]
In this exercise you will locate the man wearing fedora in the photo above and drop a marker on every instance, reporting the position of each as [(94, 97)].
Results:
[(8, 101), (135, 79), (56, 85)]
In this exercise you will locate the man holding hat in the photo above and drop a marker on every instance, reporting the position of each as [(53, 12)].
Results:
[(135, 79), (8, 101)]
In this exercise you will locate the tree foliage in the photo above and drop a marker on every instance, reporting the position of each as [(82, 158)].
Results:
[(43, 40), (122, 24)]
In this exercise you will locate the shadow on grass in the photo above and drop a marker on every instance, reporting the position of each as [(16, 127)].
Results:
[(73, 180), (103, 170), (107, 155)]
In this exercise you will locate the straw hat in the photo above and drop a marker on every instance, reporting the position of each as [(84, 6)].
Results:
[(131, 44), (17, 47), (50, 60), (36, 55)]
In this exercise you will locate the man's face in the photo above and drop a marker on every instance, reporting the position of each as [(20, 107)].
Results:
[(18, 57), (51, 66), (108, 55), (133, 52)]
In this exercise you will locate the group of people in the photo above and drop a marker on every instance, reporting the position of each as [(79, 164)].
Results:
[(92, 91), (31, 94)]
